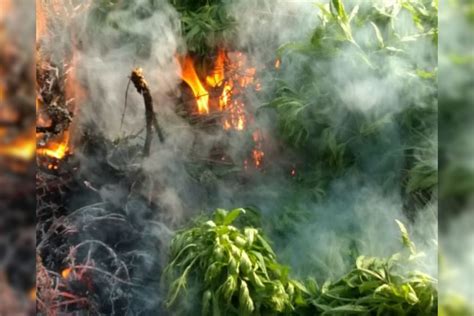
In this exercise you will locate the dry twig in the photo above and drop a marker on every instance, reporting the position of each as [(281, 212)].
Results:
[(151, 121)]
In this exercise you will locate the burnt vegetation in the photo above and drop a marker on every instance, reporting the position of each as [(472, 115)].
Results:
[(117, 237)]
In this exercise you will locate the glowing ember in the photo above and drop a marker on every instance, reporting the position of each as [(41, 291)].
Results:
[(66, 272), (277, 64), (258, 157), (56, 148), (293, 172), (257, 152), (32, 294), (190, 76), (225, 97), (236, 118)]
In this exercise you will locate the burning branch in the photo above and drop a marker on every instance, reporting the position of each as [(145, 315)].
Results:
[(151, 121)]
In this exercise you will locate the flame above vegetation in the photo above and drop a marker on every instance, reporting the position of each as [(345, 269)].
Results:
[(229, 77), (57, 146), (216, 78), (229, 74), (190, 76)]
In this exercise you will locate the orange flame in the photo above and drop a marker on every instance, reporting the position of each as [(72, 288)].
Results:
[(56, 148), (23, 149), (190, 76), (66, 272), (216, 78), (23, 145), (257, 153), (257, 156), (231, 74), (32, 294)]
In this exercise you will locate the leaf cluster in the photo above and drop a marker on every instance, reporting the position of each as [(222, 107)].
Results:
[(206, 25), (375, 286), (237, 273), (367, 44), (237, 269)]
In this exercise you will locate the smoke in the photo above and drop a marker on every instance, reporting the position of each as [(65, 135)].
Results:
[(357, 212), (456, 152)]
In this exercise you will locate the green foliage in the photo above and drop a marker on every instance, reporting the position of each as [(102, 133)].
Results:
[(237, 273), (236, 270), (352, 49), (374, 287), (455, 305), (205, 24), (377, 286)]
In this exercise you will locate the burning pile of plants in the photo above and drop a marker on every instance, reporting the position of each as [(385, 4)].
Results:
[(320, 123), (17, 168)]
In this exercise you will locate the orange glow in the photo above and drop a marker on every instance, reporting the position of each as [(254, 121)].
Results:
[(225, 97), (190, 76), (40, 19), (258, 157), (216, 78), (66, 272), (231, 74), (22, 148), (56, 148), (32, 294), (236, 118), (277, 64), (257, 152), (5, 7)]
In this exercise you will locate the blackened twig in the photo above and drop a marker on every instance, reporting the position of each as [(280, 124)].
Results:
[(151, 121)]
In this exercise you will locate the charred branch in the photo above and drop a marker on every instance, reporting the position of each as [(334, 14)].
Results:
[(151, 121)]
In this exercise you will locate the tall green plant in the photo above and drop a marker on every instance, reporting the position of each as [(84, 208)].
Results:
[(236, 272), (363, 45), (206, 25)]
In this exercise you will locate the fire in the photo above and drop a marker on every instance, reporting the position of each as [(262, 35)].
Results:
[(257, 152), (32, 294), (229, 77), (258, 157), (216, 78), (238, 77), (56, 148), (190, 76), (22, 148), (66, 272), (277, 64), (236, 116)]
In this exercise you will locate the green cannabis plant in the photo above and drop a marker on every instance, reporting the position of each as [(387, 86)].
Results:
[(237, 273), (236, 269)]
